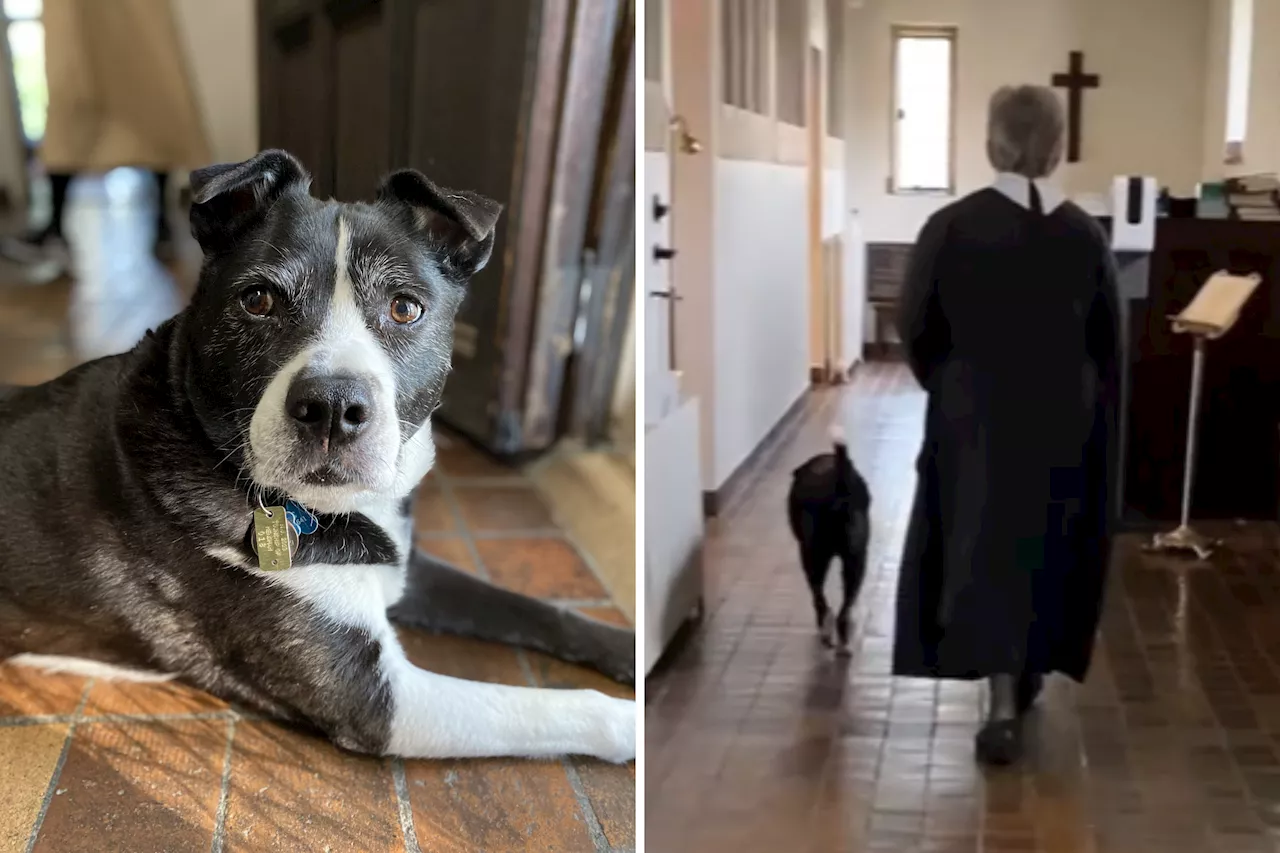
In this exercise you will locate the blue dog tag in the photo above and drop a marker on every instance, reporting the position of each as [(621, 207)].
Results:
[(301, 518)]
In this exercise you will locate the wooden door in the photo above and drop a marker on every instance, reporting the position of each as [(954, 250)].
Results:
[(607, 295), (509, 98), (360, 93), (293, 48), (482, 114)]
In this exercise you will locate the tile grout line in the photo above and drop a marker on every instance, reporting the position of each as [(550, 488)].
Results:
[(585, 556), (54, 777), (492, 535), (463, 529), (404, 807), (575, 603), (589, 561), (220, 818), (594, 829), (494, 482), (557, 531), (82, 721)]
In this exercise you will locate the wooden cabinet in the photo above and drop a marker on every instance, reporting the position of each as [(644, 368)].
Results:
[(527, 101)]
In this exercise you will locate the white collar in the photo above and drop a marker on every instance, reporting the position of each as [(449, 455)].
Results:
[(1016, 188)]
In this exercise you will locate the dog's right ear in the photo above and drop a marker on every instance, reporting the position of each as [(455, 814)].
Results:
[(228, 199)]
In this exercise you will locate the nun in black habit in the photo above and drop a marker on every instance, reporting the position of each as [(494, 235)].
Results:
[(1010, 320)]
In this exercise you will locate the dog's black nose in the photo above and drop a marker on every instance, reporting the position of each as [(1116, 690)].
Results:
[(332, 410)]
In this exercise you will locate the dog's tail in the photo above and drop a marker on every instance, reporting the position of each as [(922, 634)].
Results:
[(844, 485)]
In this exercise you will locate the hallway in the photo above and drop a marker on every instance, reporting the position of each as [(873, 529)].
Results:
[(760, 740)]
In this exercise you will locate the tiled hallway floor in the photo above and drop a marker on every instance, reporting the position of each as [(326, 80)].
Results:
[(757, 739), (91, 766)]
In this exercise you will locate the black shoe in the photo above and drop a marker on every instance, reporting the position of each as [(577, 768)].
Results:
[(999, 743), (164, 249), (37, 248), (1029, 686)]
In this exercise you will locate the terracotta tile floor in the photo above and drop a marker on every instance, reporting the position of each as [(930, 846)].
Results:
[(97, 766), (758, 740)]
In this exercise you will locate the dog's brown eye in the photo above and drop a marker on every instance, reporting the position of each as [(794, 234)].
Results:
[(257, 301), (405, 310)]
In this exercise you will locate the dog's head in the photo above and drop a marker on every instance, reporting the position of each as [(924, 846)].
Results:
[(320, 334)]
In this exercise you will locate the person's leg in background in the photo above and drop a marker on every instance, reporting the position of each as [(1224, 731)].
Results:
[(164, 234), (46, 242)]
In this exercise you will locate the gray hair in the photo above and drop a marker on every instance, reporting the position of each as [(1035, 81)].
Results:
[(1024, 130)]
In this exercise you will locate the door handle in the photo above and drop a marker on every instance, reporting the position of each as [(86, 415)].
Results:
[(659, 209), (666, 294), (662, 253)]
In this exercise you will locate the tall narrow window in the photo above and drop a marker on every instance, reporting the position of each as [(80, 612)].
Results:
[(746, 53), (653, 35), (835, 68), (792, 40), (923, 109), (1239, 62)]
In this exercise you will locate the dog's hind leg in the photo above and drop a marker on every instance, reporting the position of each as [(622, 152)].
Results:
[(816, 562), (853, 570), (443, 599), (853, 567)]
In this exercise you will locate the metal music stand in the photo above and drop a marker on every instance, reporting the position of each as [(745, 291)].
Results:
[(1211, 314)]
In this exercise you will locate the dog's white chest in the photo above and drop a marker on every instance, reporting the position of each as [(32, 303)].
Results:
[(350, 594)]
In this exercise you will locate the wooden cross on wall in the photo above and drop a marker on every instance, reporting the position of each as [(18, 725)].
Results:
[(1075, 81)]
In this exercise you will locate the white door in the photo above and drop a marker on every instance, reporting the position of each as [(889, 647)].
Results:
[(673, 469), (661, 386)]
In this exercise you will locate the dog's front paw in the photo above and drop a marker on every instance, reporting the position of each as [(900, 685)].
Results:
[(843, 635), (612, 733), (619, 661), (826, 630)]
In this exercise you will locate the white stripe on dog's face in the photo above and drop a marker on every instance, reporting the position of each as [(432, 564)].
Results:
[(344, 346)]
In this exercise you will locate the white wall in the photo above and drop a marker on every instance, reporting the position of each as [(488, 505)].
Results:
[(761, 321), (1262, 139), (221, 48), (1217, 47), (834, 209), (1147, 117)]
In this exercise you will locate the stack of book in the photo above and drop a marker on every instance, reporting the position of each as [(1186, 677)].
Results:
[(1254, 197)]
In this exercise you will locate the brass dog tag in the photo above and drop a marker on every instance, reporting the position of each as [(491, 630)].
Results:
[(271, 539)]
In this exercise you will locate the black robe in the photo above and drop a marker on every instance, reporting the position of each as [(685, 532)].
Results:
[(1010, 320)]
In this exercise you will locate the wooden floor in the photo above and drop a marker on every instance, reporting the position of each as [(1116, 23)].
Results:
[(92, 766), (757, 739)]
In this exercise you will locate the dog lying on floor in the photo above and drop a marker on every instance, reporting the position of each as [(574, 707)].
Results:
[(229, 503), (829, 508)]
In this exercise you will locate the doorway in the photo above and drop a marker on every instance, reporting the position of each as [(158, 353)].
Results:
[(677, 268), (826, 250)]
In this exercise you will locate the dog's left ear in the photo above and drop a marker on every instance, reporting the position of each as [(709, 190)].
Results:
[(230, 198), (458, 223)]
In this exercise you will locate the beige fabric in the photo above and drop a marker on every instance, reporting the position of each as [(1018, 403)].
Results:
[(120, 92)]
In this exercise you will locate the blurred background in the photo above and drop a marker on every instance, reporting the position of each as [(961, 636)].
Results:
[(522, 101)]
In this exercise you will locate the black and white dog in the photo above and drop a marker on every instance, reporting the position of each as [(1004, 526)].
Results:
[(829, 509), (229, 502)]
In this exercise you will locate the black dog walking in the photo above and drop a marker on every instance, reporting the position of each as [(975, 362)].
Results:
[(829, 508)]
